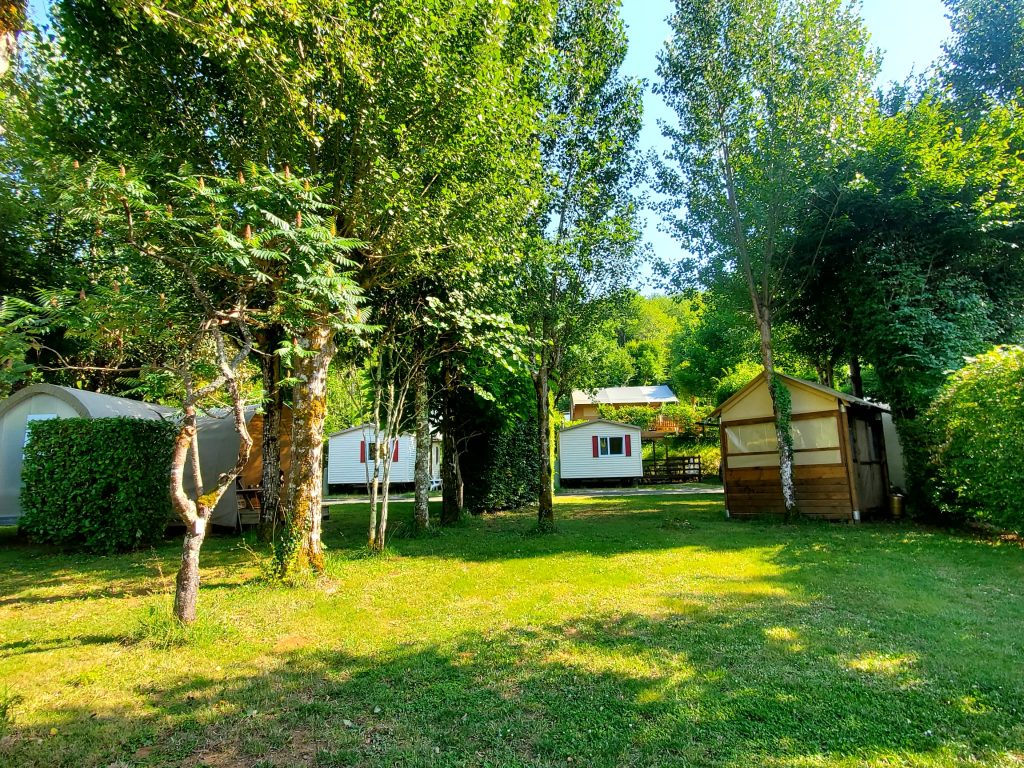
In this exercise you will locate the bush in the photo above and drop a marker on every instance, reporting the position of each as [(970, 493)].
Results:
[(99, 485), (973, 441), (503, 473)]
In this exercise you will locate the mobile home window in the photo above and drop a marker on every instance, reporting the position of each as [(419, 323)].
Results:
[(612, 446)]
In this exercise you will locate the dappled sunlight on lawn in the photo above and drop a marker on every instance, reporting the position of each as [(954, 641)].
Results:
[(643, 632)]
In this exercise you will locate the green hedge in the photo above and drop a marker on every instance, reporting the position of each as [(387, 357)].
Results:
[(99, 485), (973, 441), (502, 473)]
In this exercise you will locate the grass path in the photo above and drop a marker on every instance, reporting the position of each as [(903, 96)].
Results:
[(647, 631)]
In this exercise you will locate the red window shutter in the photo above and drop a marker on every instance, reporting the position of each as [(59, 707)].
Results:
[(394, 456), (629, 446), (362, 451), (595, 446)]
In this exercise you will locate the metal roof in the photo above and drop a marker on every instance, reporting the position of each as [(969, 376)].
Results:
[(624, 396), (601, 421)]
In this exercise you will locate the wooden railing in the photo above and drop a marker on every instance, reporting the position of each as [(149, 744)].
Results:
[(674, 469)]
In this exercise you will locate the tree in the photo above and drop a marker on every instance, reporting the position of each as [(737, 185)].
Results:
[(984, 59), (766, 93), (415, 113), (12, 20), (910, 251), (585, 235), (194, 255)]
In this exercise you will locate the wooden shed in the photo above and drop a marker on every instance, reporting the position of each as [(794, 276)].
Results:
[(839, 452), (599, 450)]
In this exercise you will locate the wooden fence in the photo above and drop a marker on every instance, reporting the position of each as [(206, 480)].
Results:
[(674, 469)]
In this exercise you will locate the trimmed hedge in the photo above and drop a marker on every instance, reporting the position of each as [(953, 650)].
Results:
[(502, 471), (98, 485), (974, 441)]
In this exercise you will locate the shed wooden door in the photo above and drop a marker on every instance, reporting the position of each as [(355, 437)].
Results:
[(868, 457)]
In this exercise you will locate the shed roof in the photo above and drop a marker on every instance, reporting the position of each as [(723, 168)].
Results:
[(624, 395), (821, 388), (602, 421), (90, 405)]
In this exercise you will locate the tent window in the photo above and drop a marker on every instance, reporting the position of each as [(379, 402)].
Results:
[(612, 446)]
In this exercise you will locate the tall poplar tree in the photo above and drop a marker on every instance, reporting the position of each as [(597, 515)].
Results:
[(581, 258), (766, 94)]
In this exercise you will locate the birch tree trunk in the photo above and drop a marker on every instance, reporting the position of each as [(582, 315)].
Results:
[(302, 507), (12, 20), (546, 489), (422, 477), (781, 408)]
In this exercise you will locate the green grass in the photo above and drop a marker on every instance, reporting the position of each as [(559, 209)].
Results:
[(646, 631)]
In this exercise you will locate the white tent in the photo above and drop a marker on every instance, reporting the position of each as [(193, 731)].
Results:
[(48, 401)]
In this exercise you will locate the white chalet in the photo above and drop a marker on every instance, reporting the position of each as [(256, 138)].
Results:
[(350, 456), (600, 450)]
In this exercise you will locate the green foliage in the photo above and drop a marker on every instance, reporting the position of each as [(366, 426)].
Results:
[(637, 415), (99, 485), (912, 261), (734, 379), (974, 441), (985, 56), (502, 474)]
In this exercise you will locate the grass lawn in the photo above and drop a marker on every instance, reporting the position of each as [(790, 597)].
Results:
[(646, 631)]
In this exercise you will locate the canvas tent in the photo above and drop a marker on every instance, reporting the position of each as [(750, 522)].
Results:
[(218, 440), (48, 401), (600, 450), (841, 457)]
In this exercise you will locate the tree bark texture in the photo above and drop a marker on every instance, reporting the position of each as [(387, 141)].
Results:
[(270, 483), (301, 547), (856, 378), (780, 410), (422, 476), (451, 499), (546, 489), (186, 586)]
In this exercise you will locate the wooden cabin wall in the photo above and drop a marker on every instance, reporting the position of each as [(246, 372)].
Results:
[(823, 491), (252, 475)]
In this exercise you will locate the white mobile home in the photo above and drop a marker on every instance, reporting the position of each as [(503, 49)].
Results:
[(48, 401), (600, 450), (350, 456)]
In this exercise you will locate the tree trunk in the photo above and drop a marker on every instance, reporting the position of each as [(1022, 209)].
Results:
[(856, 378), (12, 21), (781, 409), (546, 489), (451, 498), (302, 508), (422, 479), (270, 484), (186, 592)]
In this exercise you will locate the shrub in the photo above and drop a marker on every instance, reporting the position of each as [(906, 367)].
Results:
[(503, 473), (99, 485), (973, 441)]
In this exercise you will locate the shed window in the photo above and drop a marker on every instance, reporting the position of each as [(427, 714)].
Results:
[(612, 446)]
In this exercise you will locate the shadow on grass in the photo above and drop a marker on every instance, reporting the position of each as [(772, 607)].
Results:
[(744, 681)]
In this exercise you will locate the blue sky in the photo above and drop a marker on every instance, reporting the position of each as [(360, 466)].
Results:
[(909, 33)]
